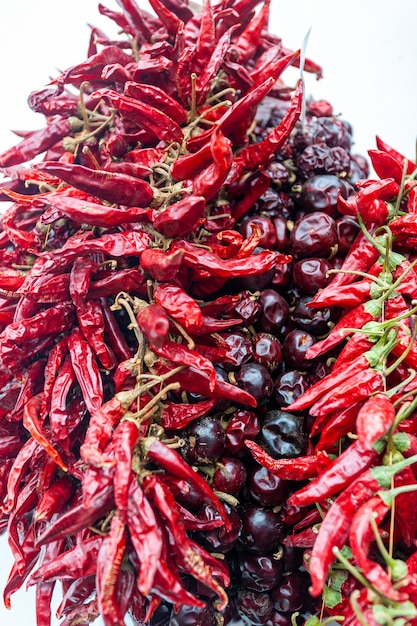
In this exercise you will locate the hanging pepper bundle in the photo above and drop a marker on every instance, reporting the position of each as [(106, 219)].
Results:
[(165, 301)]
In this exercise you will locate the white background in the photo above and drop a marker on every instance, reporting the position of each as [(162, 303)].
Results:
[(368, 50)]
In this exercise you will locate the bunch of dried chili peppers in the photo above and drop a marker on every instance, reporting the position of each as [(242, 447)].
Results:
[(165, 302)]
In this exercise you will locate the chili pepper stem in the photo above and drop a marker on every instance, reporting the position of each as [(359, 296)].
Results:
[(356, 608), (355, 572), (193, 108), (403, 356)]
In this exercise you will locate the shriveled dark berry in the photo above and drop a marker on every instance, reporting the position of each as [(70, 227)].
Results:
[(260, 572), (288, 386), (266, 488), (243, 425), (314, 235), (254, 606), (295, 346), (205, 440), (193, 616), (230, 476), (256, 380), (262, 528), (267, 351), (283, 434), (311, 274)]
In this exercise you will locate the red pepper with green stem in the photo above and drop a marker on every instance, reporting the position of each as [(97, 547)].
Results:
[(339, 475), (335, 527)]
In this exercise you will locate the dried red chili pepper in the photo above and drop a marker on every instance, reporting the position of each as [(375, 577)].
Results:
[(40, 140), (181, 355), (179, 219), (76, 562), (109, 564), (131, 280), (31, 415), (172, 462), (350, 464), (54, 498), (255, 264), (208, 182), (155, 122), (125, 438), (162, 266), (179, 305), (190, 556), (113, 187), (300, 468), (86, 370), (154, 323), (177, 416), (252, 156), (158, 98)]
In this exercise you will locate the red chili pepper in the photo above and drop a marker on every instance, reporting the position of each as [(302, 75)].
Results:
[(154, 323), (339, 424), (385, 165), (330, 382), (129, 243), (29, 451), (81, 516), (131, 280), (338, 476), (86, 370), (113, 187), (161, 265), (255, 264), (173, 463), (374, 419), (191, 558), (77, 562), (248, 39), (179, 305), (57, 406), (381, 145), (23, 239), (125, 438), (300, 468), (109, 564), (273, 63), (355, 318), (155, 122), (179, 219), (255, 186), (54, 498), (91, 69), (405, 505), (251, 157), (156, 97), (39, 141), (24, 504), (178, 416), (335, 527), (145, 156), (360, 536), (357, 387), (181, 355), (208, 182), (361, 257), (31, 414), (16, 579)]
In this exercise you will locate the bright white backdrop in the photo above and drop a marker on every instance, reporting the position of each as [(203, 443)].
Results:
[(368, 50)]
